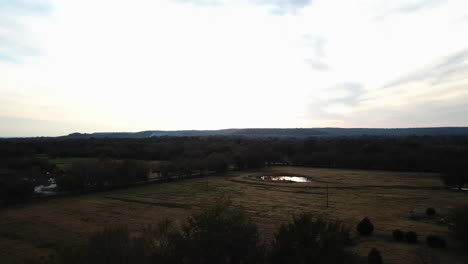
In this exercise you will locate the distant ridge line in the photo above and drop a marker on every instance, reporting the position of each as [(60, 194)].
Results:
[(283, 132)]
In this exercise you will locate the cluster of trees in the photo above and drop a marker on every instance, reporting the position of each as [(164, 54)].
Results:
[(186, 167), (399, 153), (220, 234), (460, 227), (20, 171), (102, 175), (14, 189), (192, 155), (225, 234), (456, 171)]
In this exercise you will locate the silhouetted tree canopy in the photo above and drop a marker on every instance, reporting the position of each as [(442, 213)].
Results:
[(308, 240), (24, 161)]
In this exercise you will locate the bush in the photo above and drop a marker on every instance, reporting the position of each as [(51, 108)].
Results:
[(160, 242), (411, 237), (460, 228), (111, 245), (398, 235), (14, 190), (374, 257), (220, 234), (305, 240), (435, 242), (430, 211), (365, 227)]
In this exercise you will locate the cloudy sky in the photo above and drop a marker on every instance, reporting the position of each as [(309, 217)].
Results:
[(121, 65)]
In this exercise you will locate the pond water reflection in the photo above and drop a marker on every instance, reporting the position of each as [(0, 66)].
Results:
[(46, 189), (285, 178)]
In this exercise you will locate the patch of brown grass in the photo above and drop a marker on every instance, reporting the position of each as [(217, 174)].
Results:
[(387, 198)]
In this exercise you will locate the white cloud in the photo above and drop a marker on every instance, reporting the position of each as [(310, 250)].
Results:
[(121, 65)]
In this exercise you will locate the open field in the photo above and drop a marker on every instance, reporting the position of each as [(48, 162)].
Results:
[(387, 198)]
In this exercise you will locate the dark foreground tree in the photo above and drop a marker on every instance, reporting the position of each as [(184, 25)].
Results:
[(398, 235), (411, 237), (374, 257), (308, 240), (460, 226), (456, 173), (430, 212), (108, 246), (435, 241), (220, 234), (14, 190), (365, 227)]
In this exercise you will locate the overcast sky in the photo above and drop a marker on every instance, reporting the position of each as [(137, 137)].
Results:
[(115, 65)]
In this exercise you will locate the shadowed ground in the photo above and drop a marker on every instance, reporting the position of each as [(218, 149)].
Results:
[(387, 198)]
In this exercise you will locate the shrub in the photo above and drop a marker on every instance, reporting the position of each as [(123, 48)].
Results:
[(308, 240), (220, 234), (365, 227), (411, 237), (111, 245), (460, 228), (69, 255), (374, 257), (159, 241), (398, 235), (435, 242), (14, 190), (430, 211)]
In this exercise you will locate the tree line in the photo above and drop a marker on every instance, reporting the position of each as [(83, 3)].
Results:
[(100, 175), (119, 159)]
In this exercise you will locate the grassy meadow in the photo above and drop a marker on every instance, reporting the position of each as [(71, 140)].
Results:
[(387, 198)]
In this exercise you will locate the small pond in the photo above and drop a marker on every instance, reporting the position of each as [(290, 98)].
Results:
[(460, 189), (46, 189), (285, 178)]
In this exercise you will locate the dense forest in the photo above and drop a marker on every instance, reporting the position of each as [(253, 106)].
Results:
[(120, 161)]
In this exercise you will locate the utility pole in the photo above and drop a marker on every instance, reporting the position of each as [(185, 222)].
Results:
[(327, 195)]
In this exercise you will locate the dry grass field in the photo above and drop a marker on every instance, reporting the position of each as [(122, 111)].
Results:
[(387, 198)]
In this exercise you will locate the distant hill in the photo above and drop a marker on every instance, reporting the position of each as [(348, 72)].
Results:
[(284, 132)]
